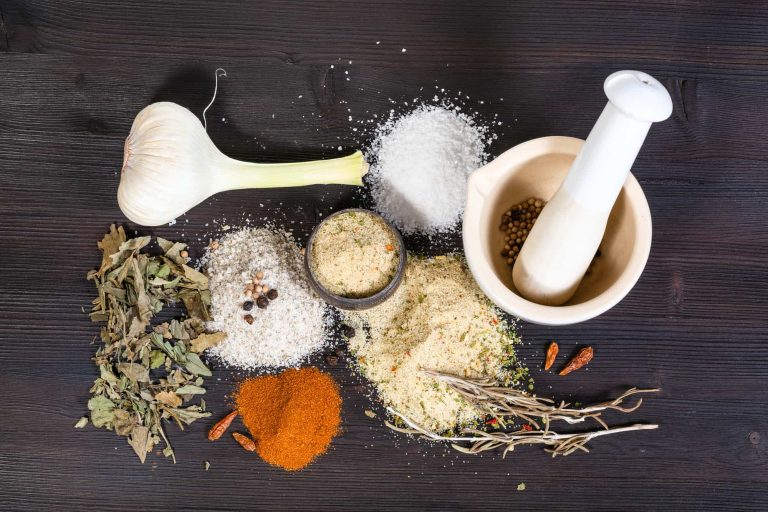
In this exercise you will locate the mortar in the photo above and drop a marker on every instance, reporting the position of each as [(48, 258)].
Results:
[(535, 169)]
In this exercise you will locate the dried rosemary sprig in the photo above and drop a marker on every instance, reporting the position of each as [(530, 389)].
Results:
[(507, 403)]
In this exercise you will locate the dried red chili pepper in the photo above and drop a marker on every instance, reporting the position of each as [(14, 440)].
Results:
[(219, 428), (551, 355), (244, 441), (583, 357), (492, 421), (527, 427)]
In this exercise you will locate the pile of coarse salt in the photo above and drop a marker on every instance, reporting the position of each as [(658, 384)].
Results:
[(290, 328), (420, 164)]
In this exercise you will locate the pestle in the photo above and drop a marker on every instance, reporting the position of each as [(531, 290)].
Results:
[(568, 232)]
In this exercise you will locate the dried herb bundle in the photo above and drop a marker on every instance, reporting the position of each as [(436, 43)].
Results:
[(147, 373), (503, 404)]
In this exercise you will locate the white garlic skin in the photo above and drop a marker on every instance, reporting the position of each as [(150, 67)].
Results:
[(167, 167)]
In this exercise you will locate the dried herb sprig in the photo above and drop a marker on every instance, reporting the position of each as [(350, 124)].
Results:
[(504, 403), (146, 376), (561, 444)]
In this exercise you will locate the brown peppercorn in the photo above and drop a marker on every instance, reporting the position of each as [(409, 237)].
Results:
[(249, 319), (262, 302), (272, 294)]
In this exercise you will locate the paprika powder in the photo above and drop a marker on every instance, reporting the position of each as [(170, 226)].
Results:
[(292, 416)]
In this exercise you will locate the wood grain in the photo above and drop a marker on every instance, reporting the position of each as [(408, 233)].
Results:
[(74, 74)]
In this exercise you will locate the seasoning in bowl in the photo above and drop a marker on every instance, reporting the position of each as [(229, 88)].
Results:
[(355, 254)]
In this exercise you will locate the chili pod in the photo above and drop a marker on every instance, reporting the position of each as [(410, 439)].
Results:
[(219, 428), (244, 441), (551, 355), (583, 357)]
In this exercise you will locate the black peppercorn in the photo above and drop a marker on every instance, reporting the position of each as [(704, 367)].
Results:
[(348, 331), (332, 359), (272, 294), (262, 302), (248, 305)]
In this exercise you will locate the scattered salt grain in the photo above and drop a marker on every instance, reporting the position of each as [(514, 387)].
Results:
[(420, 165), (292, 327)]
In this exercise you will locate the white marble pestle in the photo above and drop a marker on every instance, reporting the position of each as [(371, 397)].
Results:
[(569, 229)]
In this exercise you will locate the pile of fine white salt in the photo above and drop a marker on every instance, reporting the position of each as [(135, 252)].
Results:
[(420, 164), (290, 328)]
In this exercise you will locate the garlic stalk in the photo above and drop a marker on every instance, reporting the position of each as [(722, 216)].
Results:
[(170, 165)]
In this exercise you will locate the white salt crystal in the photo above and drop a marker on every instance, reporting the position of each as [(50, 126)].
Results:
[(420, 165)]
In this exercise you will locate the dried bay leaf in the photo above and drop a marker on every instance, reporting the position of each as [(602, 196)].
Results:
[(82, 422)]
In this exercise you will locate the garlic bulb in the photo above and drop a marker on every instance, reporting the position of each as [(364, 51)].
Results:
[(170, 165)]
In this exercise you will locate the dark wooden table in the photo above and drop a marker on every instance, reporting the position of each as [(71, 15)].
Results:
[(73, 74)]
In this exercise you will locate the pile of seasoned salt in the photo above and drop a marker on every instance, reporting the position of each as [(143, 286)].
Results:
[(420, 165), (290, 328), (438, 319)]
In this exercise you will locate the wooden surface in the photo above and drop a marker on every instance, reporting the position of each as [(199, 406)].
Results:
[(73, 74)]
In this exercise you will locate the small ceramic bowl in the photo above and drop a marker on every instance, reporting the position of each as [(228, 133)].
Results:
[(356, 304), (535, 169)]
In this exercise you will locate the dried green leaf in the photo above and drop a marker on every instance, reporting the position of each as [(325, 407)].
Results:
[(195, 277), (195, 304), (156, 359), (195, 365), (173, 253), (189, 414), (206, 465), (102, 414), (109, 245), (124, 422), (190, 389), (139, 441), (164, 244), (169, 398), (134, 371), (82, 422), (206, 341)]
